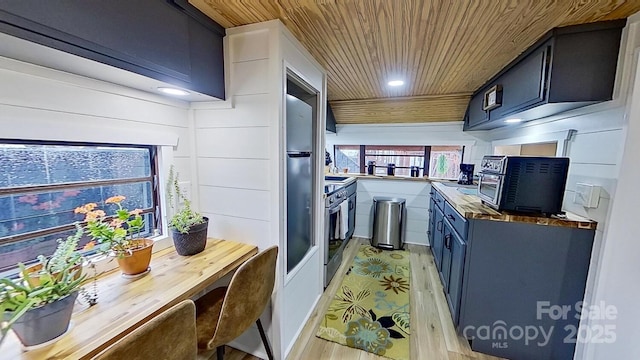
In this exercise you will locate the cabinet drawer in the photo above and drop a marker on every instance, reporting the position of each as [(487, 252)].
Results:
[(438, 199), (456, 220)]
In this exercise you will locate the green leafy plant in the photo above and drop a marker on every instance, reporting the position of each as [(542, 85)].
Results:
[(184, 218), (18, 296), (113, 233), (65, 254)]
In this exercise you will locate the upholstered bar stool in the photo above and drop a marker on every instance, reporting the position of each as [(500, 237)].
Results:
[(226, 312), (170, 335)]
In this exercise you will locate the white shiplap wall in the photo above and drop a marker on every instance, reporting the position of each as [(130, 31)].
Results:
[(241, 168)]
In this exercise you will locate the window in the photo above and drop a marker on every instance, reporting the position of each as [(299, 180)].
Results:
[(443, 161), (42, 183)]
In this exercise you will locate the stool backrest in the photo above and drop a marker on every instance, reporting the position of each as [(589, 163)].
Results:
[(170, 335), (247, 296)]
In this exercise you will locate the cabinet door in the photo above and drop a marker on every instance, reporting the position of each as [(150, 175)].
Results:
[(446, 254), (153, 35), (432, 221), (523, 85), (437, 237), (475, 114), (458, 251)]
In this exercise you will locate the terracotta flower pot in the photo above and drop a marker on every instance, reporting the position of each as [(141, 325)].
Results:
[(138, 261), (192, 242), (34, 274)]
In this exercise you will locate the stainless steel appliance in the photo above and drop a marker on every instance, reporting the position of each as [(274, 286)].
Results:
[(336, 195), (523, 184), (299, 123)]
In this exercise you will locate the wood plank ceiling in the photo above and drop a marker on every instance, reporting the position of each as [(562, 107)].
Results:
[(443, 49)]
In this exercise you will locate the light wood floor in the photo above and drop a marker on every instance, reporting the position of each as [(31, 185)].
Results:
[(433, 335)]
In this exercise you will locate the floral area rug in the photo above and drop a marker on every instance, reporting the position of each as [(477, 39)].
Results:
[(370, 310)]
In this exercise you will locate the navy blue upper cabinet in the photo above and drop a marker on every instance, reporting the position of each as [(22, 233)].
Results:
[(566, 69), (170, 41), (331, 120)]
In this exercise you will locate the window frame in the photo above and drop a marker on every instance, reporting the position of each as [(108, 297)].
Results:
[(153, 178), (425, 157)]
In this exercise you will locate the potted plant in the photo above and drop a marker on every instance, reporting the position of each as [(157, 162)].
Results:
[(188, 227), (65, 255), (39, 313), (119, 235)]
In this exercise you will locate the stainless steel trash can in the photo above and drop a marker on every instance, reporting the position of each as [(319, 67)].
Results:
[(388, 222)]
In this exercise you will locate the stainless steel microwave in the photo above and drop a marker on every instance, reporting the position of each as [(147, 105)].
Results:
[(523, 183)]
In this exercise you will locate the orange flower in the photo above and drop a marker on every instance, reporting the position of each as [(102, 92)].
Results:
[(135, 212), (93, 215), (90, 245), (85, 209), (115, 199), (115, 223)]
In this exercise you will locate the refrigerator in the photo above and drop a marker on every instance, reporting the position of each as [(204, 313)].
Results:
[(299, 147)]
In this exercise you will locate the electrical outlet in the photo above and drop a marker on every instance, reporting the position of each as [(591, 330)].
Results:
[(185, 189), (587, 195)]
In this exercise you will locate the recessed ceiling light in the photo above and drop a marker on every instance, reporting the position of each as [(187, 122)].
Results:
[(395, 83), (173, 91), (512, 121)]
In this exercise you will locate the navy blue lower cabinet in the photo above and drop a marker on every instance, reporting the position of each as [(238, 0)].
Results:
[(438, 237), (514, 275), (431, 226), (457, 248)]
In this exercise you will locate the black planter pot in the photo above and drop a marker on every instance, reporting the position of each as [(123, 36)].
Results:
[(192, 242), (45, 323)]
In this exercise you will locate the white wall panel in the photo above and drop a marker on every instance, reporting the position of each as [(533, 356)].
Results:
[(247, 174), (250, 204), (593, 170), (236, 143), (250, 77), (33, 123), (298, 303), (604, 147), (247, 111), (249, 46), (243, 230), (24, 90)]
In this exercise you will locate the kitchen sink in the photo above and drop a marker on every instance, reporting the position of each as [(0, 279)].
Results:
[(468, 191), (335, 178)]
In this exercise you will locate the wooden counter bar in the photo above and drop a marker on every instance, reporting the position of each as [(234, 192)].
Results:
[(125, 304), (471, 207)]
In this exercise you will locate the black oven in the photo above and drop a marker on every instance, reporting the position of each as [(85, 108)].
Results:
[(523, 183)]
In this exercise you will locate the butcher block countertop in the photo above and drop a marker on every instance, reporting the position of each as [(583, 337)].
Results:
[(471, 207), (125, 304)]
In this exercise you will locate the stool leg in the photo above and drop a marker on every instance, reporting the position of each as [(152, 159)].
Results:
[(265, 341), (220, 352)]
